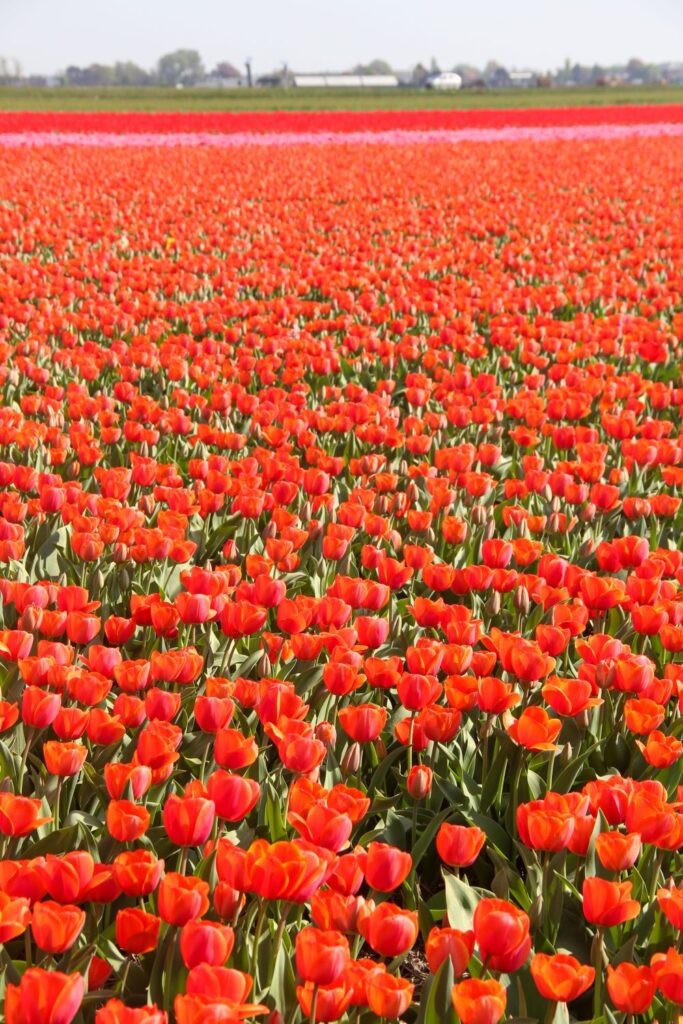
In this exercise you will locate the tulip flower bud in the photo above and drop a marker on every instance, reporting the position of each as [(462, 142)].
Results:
[(554, 523), (119, 554), (419, 781), (72, 470), (263, 666), (412, 492), (583, 719), (380, 749), (269, 530), (565, 755), (587, 513), (124, 579), (493, 603), (587, 548), (605, 674), (326, 733), (479, 515), (230, 550), (521, 601), (536, 912), (486, 727), (351, 761), (547, 493), (381, 505), (523, 529), (227, 902), (399, 504), (499, 885), (146, 504), (597, 948), (306, 512), (556, 505), (489, 530), (30, 618), (315, 530), (98, 581)]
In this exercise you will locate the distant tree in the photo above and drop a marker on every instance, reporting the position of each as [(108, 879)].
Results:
[(434, 68), (73, 75), (94, 74), (419, 75), (10, 71), (468, 73), (98, 74), (128, 73), (226, 70), (375, 67), (182, 67)]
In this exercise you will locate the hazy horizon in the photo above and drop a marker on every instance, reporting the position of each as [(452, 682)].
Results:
[(310, 35)]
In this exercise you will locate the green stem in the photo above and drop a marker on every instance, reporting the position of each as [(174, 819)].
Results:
[(597, 964), (257, 938), (58, 793)]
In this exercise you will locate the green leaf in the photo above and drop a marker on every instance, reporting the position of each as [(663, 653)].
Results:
[(427, 837), (283, 980), (62, 841), (461, 902), (436, 1005)]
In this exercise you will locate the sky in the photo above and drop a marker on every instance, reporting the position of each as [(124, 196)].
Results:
[(45, 36)]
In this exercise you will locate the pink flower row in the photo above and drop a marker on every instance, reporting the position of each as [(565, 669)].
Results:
[(395, 136)]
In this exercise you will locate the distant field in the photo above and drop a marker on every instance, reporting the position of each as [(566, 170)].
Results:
[(152, 99)]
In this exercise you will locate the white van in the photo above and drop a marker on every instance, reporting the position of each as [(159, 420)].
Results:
[(444, 80)]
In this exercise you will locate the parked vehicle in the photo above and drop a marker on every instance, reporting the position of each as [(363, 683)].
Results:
[(444, 80)]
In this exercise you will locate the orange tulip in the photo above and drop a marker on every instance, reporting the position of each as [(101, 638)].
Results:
[(445, 943), (671, 904), (188, 820), (137, 932), (535, 730), (56, 926), (321, 956), (389, 929), (331, 1001), (668, 971), (290, 871), (560, 978), (116, 1012), (459, 845), (182, 899), (126, 820), (44, 997), (20, 815), (502, 934), (15, 916), (205, 942), (631, 988), (607, 903), (618, 851), (388, 996), (386, 867), (137, 872), (479, 1002)]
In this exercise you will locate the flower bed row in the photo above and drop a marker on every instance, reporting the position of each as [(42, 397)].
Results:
[(336, 121), (340, 505)]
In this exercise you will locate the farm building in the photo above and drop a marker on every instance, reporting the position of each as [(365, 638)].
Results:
[(342, 81)]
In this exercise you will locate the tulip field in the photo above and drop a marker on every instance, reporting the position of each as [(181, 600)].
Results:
[(341, 496)]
